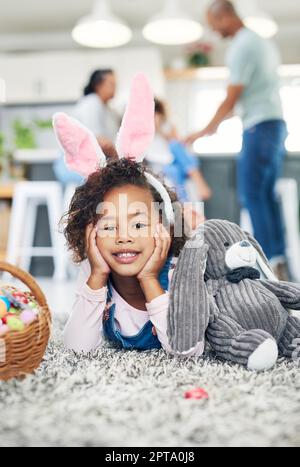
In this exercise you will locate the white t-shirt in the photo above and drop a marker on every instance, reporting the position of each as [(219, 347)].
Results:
[(97, 117)]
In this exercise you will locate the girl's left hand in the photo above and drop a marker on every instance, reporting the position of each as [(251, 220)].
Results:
[(160, 255)]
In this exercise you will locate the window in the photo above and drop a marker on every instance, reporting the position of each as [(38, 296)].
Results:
[(208, 93), (229, 136)]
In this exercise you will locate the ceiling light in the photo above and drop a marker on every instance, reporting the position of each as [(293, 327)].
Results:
[(263, 26), (172, 26), (256, 19), (102, 29)]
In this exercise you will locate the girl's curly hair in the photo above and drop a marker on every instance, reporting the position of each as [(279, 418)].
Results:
[(83, 207)]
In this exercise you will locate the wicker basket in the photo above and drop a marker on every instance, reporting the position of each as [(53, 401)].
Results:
[(21, 352)]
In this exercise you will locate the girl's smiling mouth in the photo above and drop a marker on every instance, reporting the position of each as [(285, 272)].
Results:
[(126, 256)]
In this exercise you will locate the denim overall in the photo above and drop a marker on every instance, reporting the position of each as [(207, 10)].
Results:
[(146, 339)]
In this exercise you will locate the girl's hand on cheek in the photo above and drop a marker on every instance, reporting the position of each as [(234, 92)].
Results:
[(99, 267), (159, 256)]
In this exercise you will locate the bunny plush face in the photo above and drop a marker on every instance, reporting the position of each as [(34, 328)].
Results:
[(229, 248)]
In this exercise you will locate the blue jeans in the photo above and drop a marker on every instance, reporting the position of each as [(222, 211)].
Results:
[(259, 168), (179, 171)]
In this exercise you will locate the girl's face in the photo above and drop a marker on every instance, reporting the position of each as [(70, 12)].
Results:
[(126, 228)]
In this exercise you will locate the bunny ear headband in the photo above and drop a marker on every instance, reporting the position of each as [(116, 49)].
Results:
[(84, 155)]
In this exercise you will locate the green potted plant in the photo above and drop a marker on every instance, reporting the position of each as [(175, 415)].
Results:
[(24, 137), (44, 133), (43, 124), (24, 141), (199, 54), (34, 141)]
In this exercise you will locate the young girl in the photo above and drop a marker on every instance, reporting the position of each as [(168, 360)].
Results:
[(118, 227)]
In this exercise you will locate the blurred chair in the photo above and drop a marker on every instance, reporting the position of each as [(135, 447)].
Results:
[(28, 197), (287, 190), (68, 195), (71, 268)]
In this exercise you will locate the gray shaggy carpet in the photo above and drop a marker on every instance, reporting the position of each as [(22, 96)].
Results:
[(114, 398)]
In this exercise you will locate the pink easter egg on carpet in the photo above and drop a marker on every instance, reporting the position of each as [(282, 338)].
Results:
[(197, 394)]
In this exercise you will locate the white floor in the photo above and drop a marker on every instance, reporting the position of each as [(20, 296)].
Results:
[(60, 295)]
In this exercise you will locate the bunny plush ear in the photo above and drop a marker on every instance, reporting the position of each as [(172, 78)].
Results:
[(138, 128), (82, 151)]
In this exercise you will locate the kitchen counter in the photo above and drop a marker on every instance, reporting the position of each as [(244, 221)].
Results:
[(36, 156), (290, 155), (6, 191), (6, 195)]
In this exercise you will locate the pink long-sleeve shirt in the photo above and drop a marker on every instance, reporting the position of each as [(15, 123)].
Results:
[(84, 330)]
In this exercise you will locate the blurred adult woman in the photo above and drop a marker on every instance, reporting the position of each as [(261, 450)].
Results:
[(94, 112)]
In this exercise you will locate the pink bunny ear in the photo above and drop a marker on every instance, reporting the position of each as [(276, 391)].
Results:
[(137, 129), (82, 151)]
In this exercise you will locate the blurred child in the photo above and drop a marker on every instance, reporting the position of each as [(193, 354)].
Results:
[(171, 158)]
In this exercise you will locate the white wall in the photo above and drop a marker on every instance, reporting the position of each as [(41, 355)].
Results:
[(61, 76)]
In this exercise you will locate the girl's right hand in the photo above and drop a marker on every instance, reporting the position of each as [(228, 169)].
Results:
[(99, 268)]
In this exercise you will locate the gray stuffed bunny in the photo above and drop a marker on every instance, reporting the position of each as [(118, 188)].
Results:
[(218, 293)]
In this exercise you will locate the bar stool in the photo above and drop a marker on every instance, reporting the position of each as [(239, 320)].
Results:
[(28, 196), (71, 268), (68, 195), (287, 189)]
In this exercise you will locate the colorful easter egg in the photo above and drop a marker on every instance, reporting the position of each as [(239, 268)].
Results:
[(32, 305), (7, 316), (20, 297), (15, 324), (5, 300), (4, 329), (3, 309), (27, 317), (4, 306), (13, 311)]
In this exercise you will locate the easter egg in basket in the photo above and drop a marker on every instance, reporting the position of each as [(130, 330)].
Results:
[(25, 323), (4, 306), (15, 324)]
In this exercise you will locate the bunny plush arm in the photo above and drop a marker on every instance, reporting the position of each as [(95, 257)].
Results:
[(190, 304), (289, 296), (287, 293)]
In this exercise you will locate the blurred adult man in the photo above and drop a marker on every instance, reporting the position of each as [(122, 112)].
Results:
[(254, 88)]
